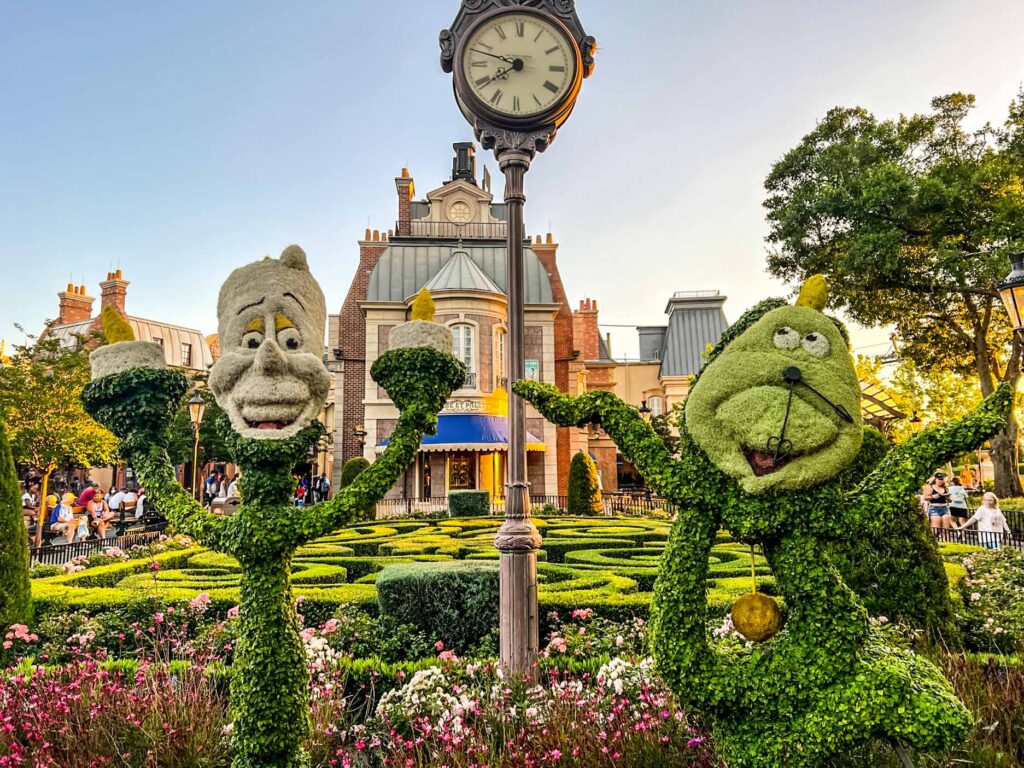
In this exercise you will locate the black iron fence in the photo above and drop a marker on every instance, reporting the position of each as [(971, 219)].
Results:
[(975, 538), (58, 554), (613, 504)]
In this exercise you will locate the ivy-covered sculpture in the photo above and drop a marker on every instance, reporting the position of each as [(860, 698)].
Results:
[(769, 427), (271, 383)]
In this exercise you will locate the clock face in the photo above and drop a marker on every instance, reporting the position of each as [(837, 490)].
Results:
[(519, 64)]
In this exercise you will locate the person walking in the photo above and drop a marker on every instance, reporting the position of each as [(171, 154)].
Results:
[(991, 522), (936, 496), (958, 509)]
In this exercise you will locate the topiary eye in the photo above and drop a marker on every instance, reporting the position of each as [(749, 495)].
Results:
[(786, 338), (252, 340), (816, 345), (289, 338)]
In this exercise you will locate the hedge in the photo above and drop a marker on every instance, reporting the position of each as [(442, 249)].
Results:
[(455, 602), (15, 597), (584, 486), (469, 503)]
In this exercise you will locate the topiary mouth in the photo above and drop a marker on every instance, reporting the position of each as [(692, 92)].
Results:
[(764, 463)]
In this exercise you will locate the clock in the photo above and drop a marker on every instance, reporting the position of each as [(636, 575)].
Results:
[(519, 68)]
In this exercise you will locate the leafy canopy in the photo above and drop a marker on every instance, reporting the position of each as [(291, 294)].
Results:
[(39, 402)]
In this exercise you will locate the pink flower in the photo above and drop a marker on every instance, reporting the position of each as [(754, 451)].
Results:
[(331, 625), (694, 743), (200, 603), (154, 566), (583, 613), (233, 612), (439, 645), (975, 597), (308, 634), (159, 618)]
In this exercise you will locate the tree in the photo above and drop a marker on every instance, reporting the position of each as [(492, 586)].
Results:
[(352, 469), (912, 220), (15, 589), (212, 445), (584, 487), (46, 424)]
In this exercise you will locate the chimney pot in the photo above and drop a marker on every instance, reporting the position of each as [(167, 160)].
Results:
[(367, 235), (117, 274), (71, 288), (551, 239), (405, 173), (376, 235)]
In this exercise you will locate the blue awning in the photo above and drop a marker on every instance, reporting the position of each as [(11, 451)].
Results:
[(470, 432)]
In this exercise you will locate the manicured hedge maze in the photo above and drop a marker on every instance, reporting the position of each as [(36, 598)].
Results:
[(608, 564)]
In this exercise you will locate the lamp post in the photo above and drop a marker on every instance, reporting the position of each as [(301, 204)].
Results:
[(518, 68), (196, 410), (1011, 290), (360, 433), (645, 410)]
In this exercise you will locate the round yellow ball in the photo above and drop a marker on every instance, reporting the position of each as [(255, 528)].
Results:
[(757, 617)]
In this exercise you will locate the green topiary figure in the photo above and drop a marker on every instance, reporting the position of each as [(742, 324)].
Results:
[(15, 589), (768, 429), (272, 384), (352, 469), (115, 328), (584, 487)]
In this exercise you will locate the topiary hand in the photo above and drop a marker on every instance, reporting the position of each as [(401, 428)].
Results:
[(137, 405)]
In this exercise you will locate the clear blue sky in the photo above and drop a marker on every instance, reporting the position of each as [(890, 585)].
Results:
[(179, 140)]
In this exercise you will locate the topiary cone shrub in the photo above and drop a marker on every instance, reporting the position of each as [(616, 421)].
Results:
[(455, 602), (584, 487), (15, 591), (352, 469)]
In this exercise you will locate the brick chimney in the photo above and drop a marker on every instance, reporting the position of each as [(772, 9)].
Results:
[(406, 189), (75, 306), (586, 335), (113, 291)]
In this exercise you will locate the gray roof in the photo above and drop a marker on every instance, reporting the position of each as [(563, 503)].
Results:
[(403, 269), (461, 273), (170, 337), (694, 322)]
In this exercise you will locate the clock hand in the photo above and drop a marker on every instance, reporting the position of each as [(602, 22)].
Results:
[(506, 59)]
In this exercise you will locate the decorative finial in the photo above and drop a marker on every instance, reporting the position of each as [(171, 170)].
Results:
[(423, 306)]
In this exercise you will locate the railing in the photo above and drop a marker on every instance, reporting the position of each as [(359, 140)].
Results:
[(613, 504), (58, 554), (451, 231), (696, 294), (975, 538)]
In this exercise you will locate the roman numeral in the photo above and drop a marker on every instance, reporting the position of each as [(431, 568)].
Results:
[(485, 45), (551, 86), (556, 68), (515, 104), (520, 28), (550, 51), (501, 32), (496, 98), (479, 64), (539, 34), (483, 81)]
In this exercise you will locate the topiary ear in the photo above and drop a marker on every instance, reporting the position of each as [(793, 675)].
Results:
[(295, 257)]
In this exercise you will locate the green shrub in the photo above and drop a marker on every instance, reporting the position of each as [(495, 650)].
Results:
[(15, 590), (352, 469), (469, 503), (584, 486), (454, 602)]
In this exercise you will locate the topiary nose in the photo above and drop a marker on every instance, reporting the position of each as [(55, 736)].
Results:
[(270, 359)]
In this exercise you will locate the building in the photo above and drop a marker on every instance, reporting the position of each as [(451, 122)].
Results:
[(453, 243), (184, 348), (670, 356)]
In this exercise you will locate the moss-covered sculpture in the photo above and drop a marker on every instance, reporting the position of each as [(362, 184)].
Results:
[(271, 383), (769, 427)]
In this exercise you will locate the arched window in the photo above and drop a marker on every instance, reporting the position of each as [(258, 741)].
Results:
[(465, 350), (657, 406), (500, 358)]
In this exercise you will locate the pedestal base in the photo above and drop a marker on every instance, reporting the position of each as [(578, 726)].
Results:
[(520, 629)]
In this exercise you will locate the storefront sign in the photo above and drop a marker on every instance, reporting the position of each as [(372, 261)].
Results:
[(463, 406)]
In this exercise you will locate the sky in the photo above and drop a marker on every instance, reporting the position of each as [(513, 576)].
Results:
[(179, 140)]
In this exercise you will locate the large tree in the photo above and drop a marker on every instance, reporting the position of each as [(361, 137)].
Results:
[(46, 424), (913, 220)]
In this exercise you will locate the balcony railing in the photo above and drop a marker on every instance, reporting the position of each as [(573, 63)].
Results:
[(451, 231)]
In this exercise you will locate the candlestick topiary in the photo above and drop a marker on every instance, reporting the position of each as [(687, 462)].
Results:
[(771, 425), (271, 383)]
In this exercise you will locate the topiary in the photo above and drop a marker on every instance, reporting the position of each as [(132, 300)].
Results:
[(469, 503), (352, 469), (15, 588), (584, 487), (115, 328), (769, 428), (455, 602)]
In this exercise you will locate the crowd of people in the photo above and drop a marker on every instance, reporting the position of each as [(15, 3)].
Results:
[(945, 502), (309, 489), (88, 513)]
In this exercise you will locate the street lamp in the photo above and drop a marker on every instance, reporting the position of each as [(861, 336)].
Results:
[(496, 52), (1012, 292), (645, 410), (360, 433), (196, 410)]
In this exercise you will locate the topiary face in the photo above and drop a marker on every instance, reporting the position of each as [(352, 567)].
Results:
[(766, 433), (270, 379)]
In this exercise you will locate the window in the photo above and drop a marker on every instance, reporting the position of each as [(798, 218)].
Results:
[(500, 366), (657, 406), (158, 340), (186, 355), (462, 338)]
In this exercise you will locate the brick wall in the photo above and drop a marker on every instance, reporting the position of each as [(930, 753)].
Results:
[(547, 253), (585, 330), (404, 186), (351, 335)]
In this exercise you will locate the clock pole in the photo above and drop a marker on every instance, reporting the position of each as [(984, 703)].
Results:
[(515, 142)]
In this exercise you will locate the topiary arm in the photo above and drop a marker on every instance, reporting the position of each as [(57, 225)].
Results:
[(906, 467), (419, 381), (635, 438), (138, 406)]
